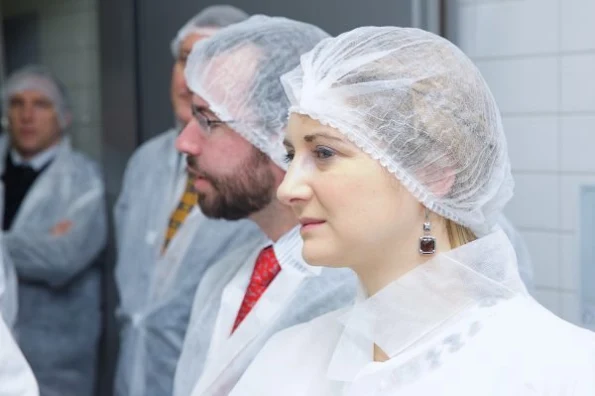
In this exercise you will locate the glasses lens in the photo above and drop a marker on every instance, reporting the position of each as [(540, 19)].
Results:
[(202, 120)]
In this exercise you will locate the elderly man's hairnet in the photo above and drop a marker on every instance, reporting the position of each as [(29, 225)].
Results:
[(414, 102), (238, 72), (207, 22), (41, 79)]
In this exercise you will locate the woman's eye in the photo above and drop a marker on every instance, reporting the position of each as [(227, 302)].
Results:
[(323, 152), (288, 157)]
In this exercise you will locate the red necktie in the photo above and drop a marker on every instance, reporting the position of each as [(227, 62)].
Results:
[(265, 270)]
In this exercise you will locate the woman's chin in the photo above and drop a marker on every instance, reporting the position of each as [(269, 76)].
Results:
[(320, 256)]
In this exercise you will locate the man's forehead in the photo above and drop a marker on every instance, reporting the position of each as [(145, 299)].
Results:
[(31, 94)]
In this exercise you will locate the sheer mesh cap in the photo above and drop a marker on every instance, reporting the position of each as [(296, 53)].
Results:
[(414, 102), (238, 72)]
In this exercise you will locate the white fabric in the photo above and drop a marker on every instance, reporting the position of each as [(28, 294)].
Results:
[(59, 292), (16, 378), (37, 78), (8, 282), (206, 23), (57, 261), (414, 102), (523, 256), (460, 324), (212, 360), (157, 289), (8, 278), (237, 72), (37, 161)]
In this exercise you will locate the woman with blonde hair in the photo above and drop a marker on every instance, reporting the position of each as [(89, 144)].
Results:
[(399, 171)]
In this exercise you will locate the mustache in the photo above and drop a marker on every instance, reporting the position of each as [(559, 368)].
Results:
[(192, 164)]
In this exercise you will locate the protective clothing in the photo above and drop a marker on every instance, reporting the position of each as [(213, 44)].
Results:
[(213, 358), (16, 378), (8, 279), (238, 75), (460, 324), (414, 102), (157, 288), (522, 252), (59, 294), (207, 22)]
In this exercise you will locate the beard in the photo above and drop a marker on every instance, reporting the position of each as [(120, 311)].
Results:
[(249, 190)]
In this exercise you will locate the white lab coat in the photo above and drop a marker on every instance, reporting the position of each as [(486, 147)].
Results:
[(16, 378), (461, 324), (59, 292), (213, 359), (157, 289), (521, 250), (8, 278)]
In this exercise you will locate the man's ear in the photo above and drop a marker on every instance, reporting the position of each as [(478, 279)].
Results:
[(67, 120)]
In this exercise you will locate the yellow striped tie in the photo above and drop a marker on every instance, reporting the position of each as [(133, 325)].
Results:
[(187, 202)]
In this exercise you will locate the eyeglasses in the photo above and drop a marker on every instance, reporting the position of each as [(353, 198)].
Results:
[(204, 122)]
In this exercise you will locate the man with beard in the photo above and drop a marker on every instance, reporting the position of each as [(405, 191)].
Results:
[(164, 241), (234, 149)]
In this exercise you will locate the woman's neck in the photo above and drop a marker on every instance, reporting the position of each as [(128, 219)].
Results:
[(388, 264)]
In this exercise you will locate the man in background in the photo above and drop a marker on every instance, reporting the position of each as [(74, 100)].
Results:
[(54, 229), (164, 242)]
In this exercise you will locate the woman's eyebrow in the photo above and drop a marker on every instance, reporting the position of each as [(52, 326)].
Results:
[(314, 136), (287, 143)]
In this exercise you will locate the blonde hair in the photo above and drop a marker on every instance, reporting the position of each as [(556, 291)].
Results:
[(458, 235)]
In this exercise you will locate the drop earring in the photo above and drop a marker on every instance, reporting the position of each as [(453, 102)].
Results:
[(427, 243)]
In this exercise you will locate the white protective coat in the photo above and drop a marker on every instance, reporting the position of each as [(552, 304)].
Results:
[(460, 324)]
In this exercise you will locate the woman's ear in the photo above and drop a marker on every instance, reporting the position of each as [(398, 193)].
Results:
[(439, 181)]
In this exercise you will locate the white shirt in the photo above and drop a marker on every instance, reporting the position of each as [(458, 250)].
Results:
[(462, 324), (39, 160)]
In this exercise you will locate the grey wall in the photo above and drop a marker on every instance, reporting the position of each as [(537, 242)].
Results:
[(158, 21), (21, 41), (119, 115)]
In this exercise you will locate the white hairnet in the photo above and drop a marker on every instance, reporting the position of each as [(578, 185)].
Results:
[(40, 79), (237, 72), (414, 102), (207, 22)]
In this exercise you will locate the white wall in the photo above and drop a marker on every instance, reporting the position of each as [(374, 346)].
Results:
[(538, 57), (70, 47)]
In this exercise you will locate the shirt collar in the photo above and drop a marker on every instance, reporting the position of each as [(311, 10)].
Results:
[(424, 301), (288, 250), (38, 161)]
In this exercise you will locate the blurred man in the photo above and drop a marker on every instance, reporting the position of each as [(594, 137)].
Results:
[(54, 228), (164, 241), (235, 151)]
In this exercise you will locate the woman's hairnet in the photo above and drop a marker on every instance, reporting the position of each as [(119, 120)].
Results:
[(38, 78), (238, 72), (207, 22), (414, 102)]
